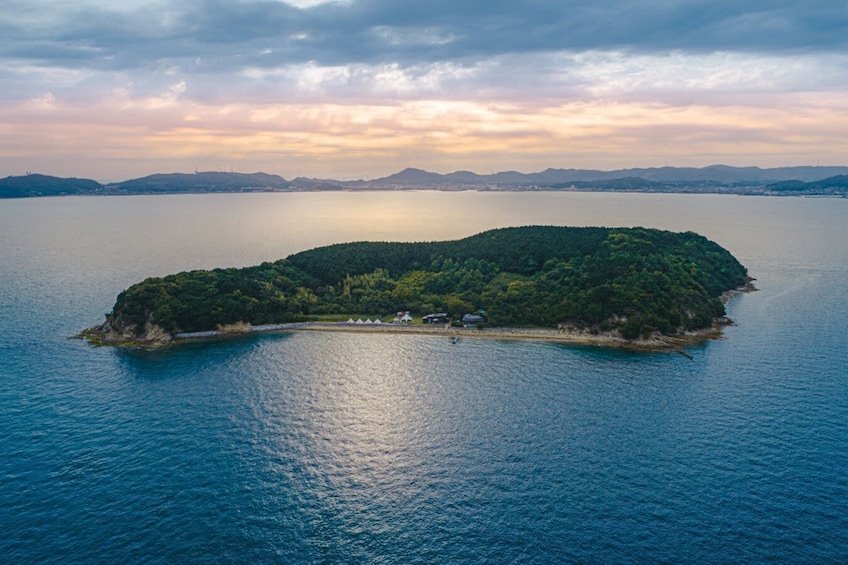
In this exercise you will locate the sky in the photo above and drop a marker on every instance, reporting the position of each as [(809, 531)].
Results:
[(364, 88)]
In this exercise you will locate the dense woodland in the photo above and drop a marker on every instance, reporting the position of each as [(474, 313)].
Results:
[(636, 281)]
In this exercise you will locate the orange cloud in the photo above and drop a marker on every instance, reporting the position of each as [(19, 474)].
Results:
[(170, 133)]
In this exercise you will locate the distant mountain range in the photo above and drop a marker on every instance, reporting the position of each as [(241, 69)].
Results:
[(716, 178), (718, 175)]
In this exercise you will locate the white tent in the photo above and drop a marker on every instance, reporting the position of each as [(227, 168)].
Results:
[(359, 321), (368, 321), (406, 318), (350, 321)]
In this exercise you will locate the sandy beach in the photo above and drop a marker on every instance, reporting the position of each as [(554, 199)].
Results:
[(533, 334), (655, 343)]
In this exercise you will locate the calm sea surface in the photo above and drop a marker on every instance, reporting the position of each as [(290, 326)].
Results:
[(324, 448)]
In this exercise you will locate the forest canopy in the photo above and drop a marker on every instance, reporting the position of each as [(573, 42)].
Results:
[(632, 281)]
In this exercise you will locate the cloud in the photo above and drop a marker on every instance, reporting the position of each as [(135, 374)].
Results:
[(415, 82), (232, 34), (265, 49), (331, 139)]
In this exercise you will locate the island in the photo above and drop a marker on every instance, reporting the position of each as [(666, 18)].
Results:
[(624, 286)]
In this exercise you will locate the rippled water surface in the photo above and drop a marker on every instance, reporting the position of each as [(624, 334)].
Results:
[(306, 448)]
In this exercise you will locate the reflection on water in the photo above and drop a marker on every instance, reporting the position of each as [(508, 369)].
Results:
[(311, 447)]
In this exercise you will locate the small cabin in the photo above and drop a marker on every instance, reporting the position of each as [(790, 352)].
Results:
[(440, 318)]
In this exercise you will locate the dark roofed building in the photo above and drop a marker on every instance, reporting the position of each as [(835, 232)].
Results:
[(440, 318)]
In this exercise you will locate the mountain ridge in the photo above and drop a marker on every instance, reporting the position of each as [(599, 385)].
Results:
[(713, 178)]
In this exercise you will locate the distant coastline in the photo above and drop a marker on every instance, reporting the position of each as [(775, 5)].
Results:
[(716, 179)]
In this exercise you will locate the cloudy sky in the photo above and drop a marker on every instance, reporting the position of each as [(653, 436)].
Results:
[(363, 88)]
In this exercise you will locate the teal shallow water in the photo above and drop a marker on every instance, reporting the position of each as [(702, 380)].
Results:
[(359, 448)]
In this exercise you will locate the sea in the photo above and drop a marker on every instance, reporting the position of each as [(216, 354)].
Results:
[(357, 448)]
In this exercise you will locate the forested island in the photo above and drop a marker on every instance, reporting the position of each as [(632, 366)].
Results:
[(632, 283)]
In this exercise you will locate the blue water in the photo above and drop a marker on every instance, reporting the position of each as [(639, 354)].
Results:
[(314, 448)]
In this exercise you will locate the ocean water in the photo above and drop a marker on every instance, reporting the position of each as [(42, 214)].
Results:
[(351, 448)]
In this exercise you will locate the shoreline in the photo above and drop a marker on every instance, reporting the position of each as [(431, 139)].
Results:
[(102, 335), (550, 335)]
